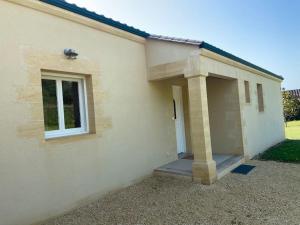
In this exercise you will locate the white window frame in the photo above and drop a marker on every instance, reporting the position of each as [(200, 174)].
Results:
[(62, 131)]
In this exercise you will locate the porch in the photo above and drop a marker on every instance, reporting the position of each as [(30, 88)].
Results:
[(207, 116), (183, 166), (208, 135)]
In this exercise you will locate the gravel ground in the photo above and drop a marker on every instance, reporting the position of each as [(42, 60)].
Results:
[(270, 194)]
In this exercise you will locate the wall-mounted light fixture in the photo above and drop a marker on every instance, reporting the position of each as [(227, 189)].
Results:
[(70, 53)]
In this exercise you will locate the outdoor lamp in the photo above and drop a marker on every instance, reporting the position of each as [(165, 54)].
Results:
[(70, 53)]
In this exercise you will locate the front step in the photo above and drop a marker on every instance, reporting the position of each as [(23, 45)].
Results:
[(172, 174), (228, 165), (182, 168)]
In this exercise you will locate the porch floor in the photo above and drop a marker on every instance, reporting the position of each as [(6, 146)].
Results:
[(183, 166)]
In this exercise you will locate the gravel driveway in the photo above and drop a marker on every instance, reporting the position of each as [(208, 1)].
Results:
[(270, 194)]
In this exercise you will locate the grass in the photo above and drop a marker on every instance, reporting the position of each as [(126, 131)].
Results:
[(292, 131), (289, 150)]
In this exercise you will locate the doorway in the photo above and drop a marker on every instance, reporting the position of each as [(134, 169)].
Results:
[(179, 119)]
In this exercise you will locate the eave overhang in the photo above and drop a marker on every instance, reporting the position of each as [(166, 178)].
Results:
[(228, 55), (94, 16)]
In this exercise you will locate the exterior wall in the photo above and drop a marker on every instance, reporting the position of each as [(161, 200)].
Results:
[(263, 129), (260, 130), (224, 116), (41, 179), (162, 52), (171, 57)]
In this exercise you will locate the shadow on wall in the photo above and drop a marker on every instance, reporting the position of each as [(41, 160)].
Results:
[(224, 116)]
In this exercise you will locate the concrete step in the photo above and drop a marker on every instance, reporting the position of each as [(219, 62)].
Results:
[(181, 167), (228, 165)]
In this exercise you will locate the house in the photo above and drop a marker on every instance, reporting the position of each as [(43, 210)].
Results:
[(295, 93), (90, 105)]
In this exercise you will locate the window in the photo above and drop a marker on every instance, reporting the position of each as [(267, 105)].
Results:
[(247, 91), (64, 104), (260, 98)]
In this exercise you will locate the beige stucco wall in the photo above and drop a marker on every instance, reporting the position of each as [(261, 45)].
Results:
[(261, 130), (224, 116), (162, 52), (40, 179), (134, 130)]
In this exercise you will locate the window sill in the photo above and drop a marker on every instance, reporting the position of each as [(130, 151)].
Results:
[(64, 135), (69, 139)]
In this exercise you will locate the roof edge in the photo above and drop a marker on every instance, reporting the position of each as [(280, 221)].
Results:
[(173, 39), (108, 21), (94, 16), (228, 55)]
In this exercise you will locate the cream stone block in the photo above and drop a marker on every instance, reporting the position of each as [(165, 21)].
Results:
[(193, 65), (204, 167), (35, 63), (224, 116), (204, 171), (168, 70)]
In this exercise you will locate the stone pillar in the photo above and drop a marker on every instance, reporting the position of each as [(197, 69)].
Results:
[(204, 167)]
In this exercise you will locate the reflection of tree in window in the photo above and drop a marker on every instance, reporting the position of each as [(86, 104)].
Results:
[(50, 104), (71, 104)]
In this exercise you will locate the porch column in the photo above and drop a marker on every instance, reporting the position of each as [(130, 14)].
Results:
[(204, 167)]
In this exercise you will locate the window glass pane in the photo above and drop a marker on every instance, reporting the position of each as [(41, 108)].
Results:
[(71, 104), (50, 104)]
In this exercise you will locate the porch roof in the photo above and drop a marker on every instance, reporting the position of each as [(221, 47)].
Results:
[(205, 45)]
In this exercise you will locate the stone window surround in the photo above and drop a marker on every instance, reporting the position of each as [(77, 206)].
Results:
[(35, 62)]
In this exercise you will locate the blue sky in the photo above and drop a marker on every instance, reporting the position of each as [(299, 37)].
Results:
[(264, 32)]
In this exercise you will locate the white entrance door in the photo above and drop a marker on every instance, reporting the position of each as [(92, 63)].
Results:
[(179, 119)]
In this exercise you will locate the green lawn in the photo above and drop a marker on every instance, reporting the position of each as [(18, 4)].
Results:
[(288, 151), (292, 131)]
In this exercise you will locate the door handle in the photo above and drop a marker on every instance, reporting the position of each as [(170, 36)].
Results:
[(174, 108)]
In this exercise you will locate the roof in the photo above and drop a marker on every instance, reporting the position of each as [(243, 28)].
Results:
[(177, 40), (94, 16), (102, 19), (295, 92), (205, 45), (237, 59)]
